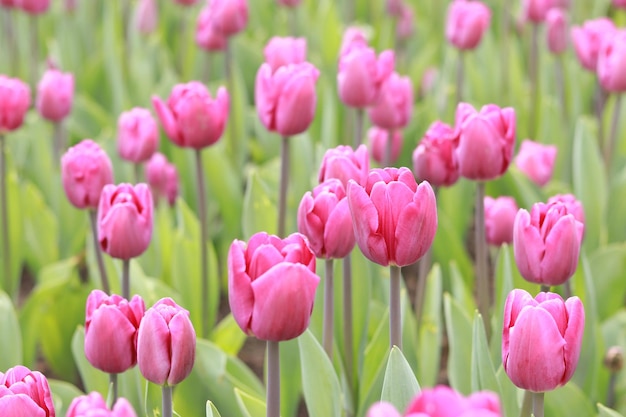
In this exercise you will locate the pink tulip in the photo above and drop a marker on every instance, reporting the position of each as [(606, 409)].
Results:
[(191, 117), (572, 205), (33, 7), (93, 405), (324, 218), (621, 4), (541, 339), (466, 23), (499, 219), (345, 164), (378, 139), (265, 277), (536, 10), (85, 170), (361, 75), (111, 324), (405, 27), (137, 135), (146, 16), (186, 2), (162, 178), (289, 3), (25, 393), (394, 106), (7, 4), (612, 62), (485, 140), (546, 243), (125, 220), (434, 159), (166, 343), (394, 219), (557, 23), (394, 7), (285, 99), (353, 37), (536, 161), (207, 36), (229, 16), (382, 409), (284, 51), (588, 39), (70, 5), (55, 95), (14, 103), (443, 401)]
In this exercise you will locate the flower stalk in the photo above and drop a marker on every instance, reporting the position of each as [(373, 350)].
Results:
[(104, 280), (329, 310), (284, 184), (395, 319), (204, 259), (273, 379)]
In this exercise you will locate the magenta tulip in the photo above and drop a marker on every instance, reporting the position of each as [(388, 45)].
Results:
[(191, 117), (541, 339), (324, 218), (8, 3), (229, 16), (125, 220), (85, 170), (378, 138), (137, 135), (162, 178), (621, 4), (588, 39), (93, 405), (536, 10), (466, 23), (536, 161), (166, 343), (500, 215), (557, 31), (14, 103), (485, 140), (393, 108), (146, 16), (111, 324), (186, 2), (345, 164), (546, 243), (33, 7), (25, 393), (443, 401), (265, 276), (394, 218), (289, 3), (572, 205), (394, 7), (55, 95), (434, 159), (285, 99), (405, 27), (353, 37), (612, 62), (207, 36), (281, 51)]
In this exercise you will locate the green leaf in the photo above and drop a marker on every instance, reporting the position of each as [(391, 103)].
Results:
[(320, 385), (458, 327), (567, 401), (228, 336), (259, 206), (250, 406), (430, 330), (604, 411), (374, 360), (11, 340), (211, 411), (93, 379), (608, 262), (483, 372), (62, 394), (400, 384)]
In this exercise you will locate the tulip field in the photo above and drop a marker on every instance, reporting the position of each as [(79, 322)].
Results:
[(354, 208)]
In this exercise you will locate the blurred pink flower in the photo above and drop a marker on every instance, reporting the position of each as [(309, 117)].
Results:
[(14, 103), (162, 177), (137, 135), (557, 38), (536, 160), (394, 106), (378, 139), (229, 16), (406, 23), (588, 38), (443, 401), (207, 36), (434, 159), (281, 51), (466, 23), (536, 10), (93, 405), (612, 62), (500, 215), (345, 164), (33, 7), (289, 3), (55, 95), (146, 16)]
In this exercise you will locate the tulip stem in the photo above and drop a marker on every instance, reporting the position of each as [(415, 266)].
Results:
[(358, 128), (610, 395), (59, 142), (388, 149), (126, 279), (560, 85), (347, 316), (10, 36), (137, 169), (610, 148), (293, 20), (329, 310), (422, 276), (113, 388), (544, 288), (395, 321), (96, 247), (284, 178), (527, 404), (460, 75), (204, 260), (34, 45), (538, 404), (166, 401), (228, 73), (534, 81), (273, 379), (600, 101), (6, 248), (482, 278)]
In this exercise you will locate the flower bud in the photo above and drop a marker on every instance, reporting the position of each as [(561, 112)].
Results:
[(207, 36), (614, 359), (499, 220), (55, 94), (394, 106), (345, 164), (361, 75), (14, 103), (146, 16), (378, 141), (612, 62), (94, 405), (137, 135), (466, 23), (284, 51), (229, 16), (162, 178), (587, 40), (434, 159), (536, 161), (557, 22)]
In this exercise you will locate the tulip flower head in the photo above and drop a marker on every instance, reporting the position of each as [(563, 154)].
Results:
[(434, 159), (394, 218), (541, 339), (546, 243), (137, 135), (166, 343), (229, 16), (394, 106), (289, 3), (394, 7), (146, 16), (353, 37), (466, 23), (271, 285), (557, 32), (55, 95), (588, 38), (34, 7), (443, 401), (500, 215), (536, 161), (85, 170), (191, 117), (125, 220), (207, 36), (25, 393), (536, 10), (162, 178), (94, 405), (406, 23), (620, 4), (186, 2), (281, 51), (378, 139), (612, 62), (345, 164), (572, 205), (14, 103)]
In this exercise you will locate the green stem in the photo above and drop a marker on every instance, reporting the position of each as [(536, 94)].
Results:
[(59, 142), (388, 149), (113, 383), (504, 55), (293, 20), (6, 248), (460, 73), (482, 278), (273, 379), (34, 45), (422, 275), (527, 404), (599, 105), (560, 85), (228, 74), (204, 259), (126, 279), (608, 152), (284, 184), (93, 220), (544, 288), (538, 398), (534, 81), (166, 401), (138, 174), (329, 310), (358, 128), (395, 319), (347, 316), (610, 395)]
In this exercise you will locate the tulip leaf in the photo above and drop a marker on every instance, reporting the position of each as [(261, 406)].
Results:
[(62, 394), (458, 327), (567, 401), (259, 207), (320, 385), (604, 411), (11, 340), (461, 290), (14, 213), (93, 379), (228, 336), (503, 286), (374, 360), (483, 372), (430, 330), (509, 394), (250, 406), (400, 384), (609, 263), (211, 411)]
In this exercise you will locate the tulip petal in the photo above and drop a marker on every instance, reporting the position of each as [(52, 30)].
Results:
[(240, 295), (110, 340), (515, 301), (382, 409), (154, 337), (573, 335), (416, 226), (562, 249), (365, 220), (339, 237), (20, 405), (528, 247), (167, 119), (183, 353)]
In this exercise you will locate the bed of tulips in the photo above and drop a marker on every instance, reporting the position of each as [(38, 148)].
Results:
[(415, 206)]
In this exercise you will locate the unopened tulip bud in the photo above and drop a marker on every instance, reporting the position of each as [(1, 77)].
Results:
[(394, 106), (466, 23), (55, 95), (14, 103), (284, 51), (378, 139), (229, 16), (557, 32), (146, 16), (345, 164), (612, 62), (34, 7), (588, 38), (162, 177), (434, 159), (137, 135), (499, 220), (536, 160), (94, 405), (443, 401), (614, 359), (361, 75), (207, 36)]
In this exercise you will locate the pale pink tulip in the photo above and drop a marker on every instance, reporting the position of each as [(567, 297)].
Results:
[(361, 75), (588, 38), (345, 164), (281, 51), (612, 62), (500, 215), (55, 95), (378, 138), (394, 106), (536, 161), (434, 159), (162, 178), (466, 23), (14, 103), (137, 135), (93, 405), (443, 401), (207, 36)]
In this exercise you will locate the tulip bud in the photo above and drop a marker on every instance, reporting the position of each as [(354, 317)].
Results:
[(466, 23), (94, 405), (229, 16), (536, 161), (378, 139), (289, 3), (25, 393), (55, 94), (541, 339), (345, 164), (125, 220), (353, 37), (191, 118), (186, 2), (406, 23), (443, 401), (14, 103), (499, 219), (8, 3), (207, 36), (614, 359), (111, 324), (434, 159), (588, 39), (394, 7), (612, 62), (382, 409), (85, 170), (394, 218), (34, 7), (536, 10), (557, 22), (284, 51), (285, 99), (162, 178), (166, 343), (394, 106), (137, 135), (146, 16), (265, 276), (620, 4)]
